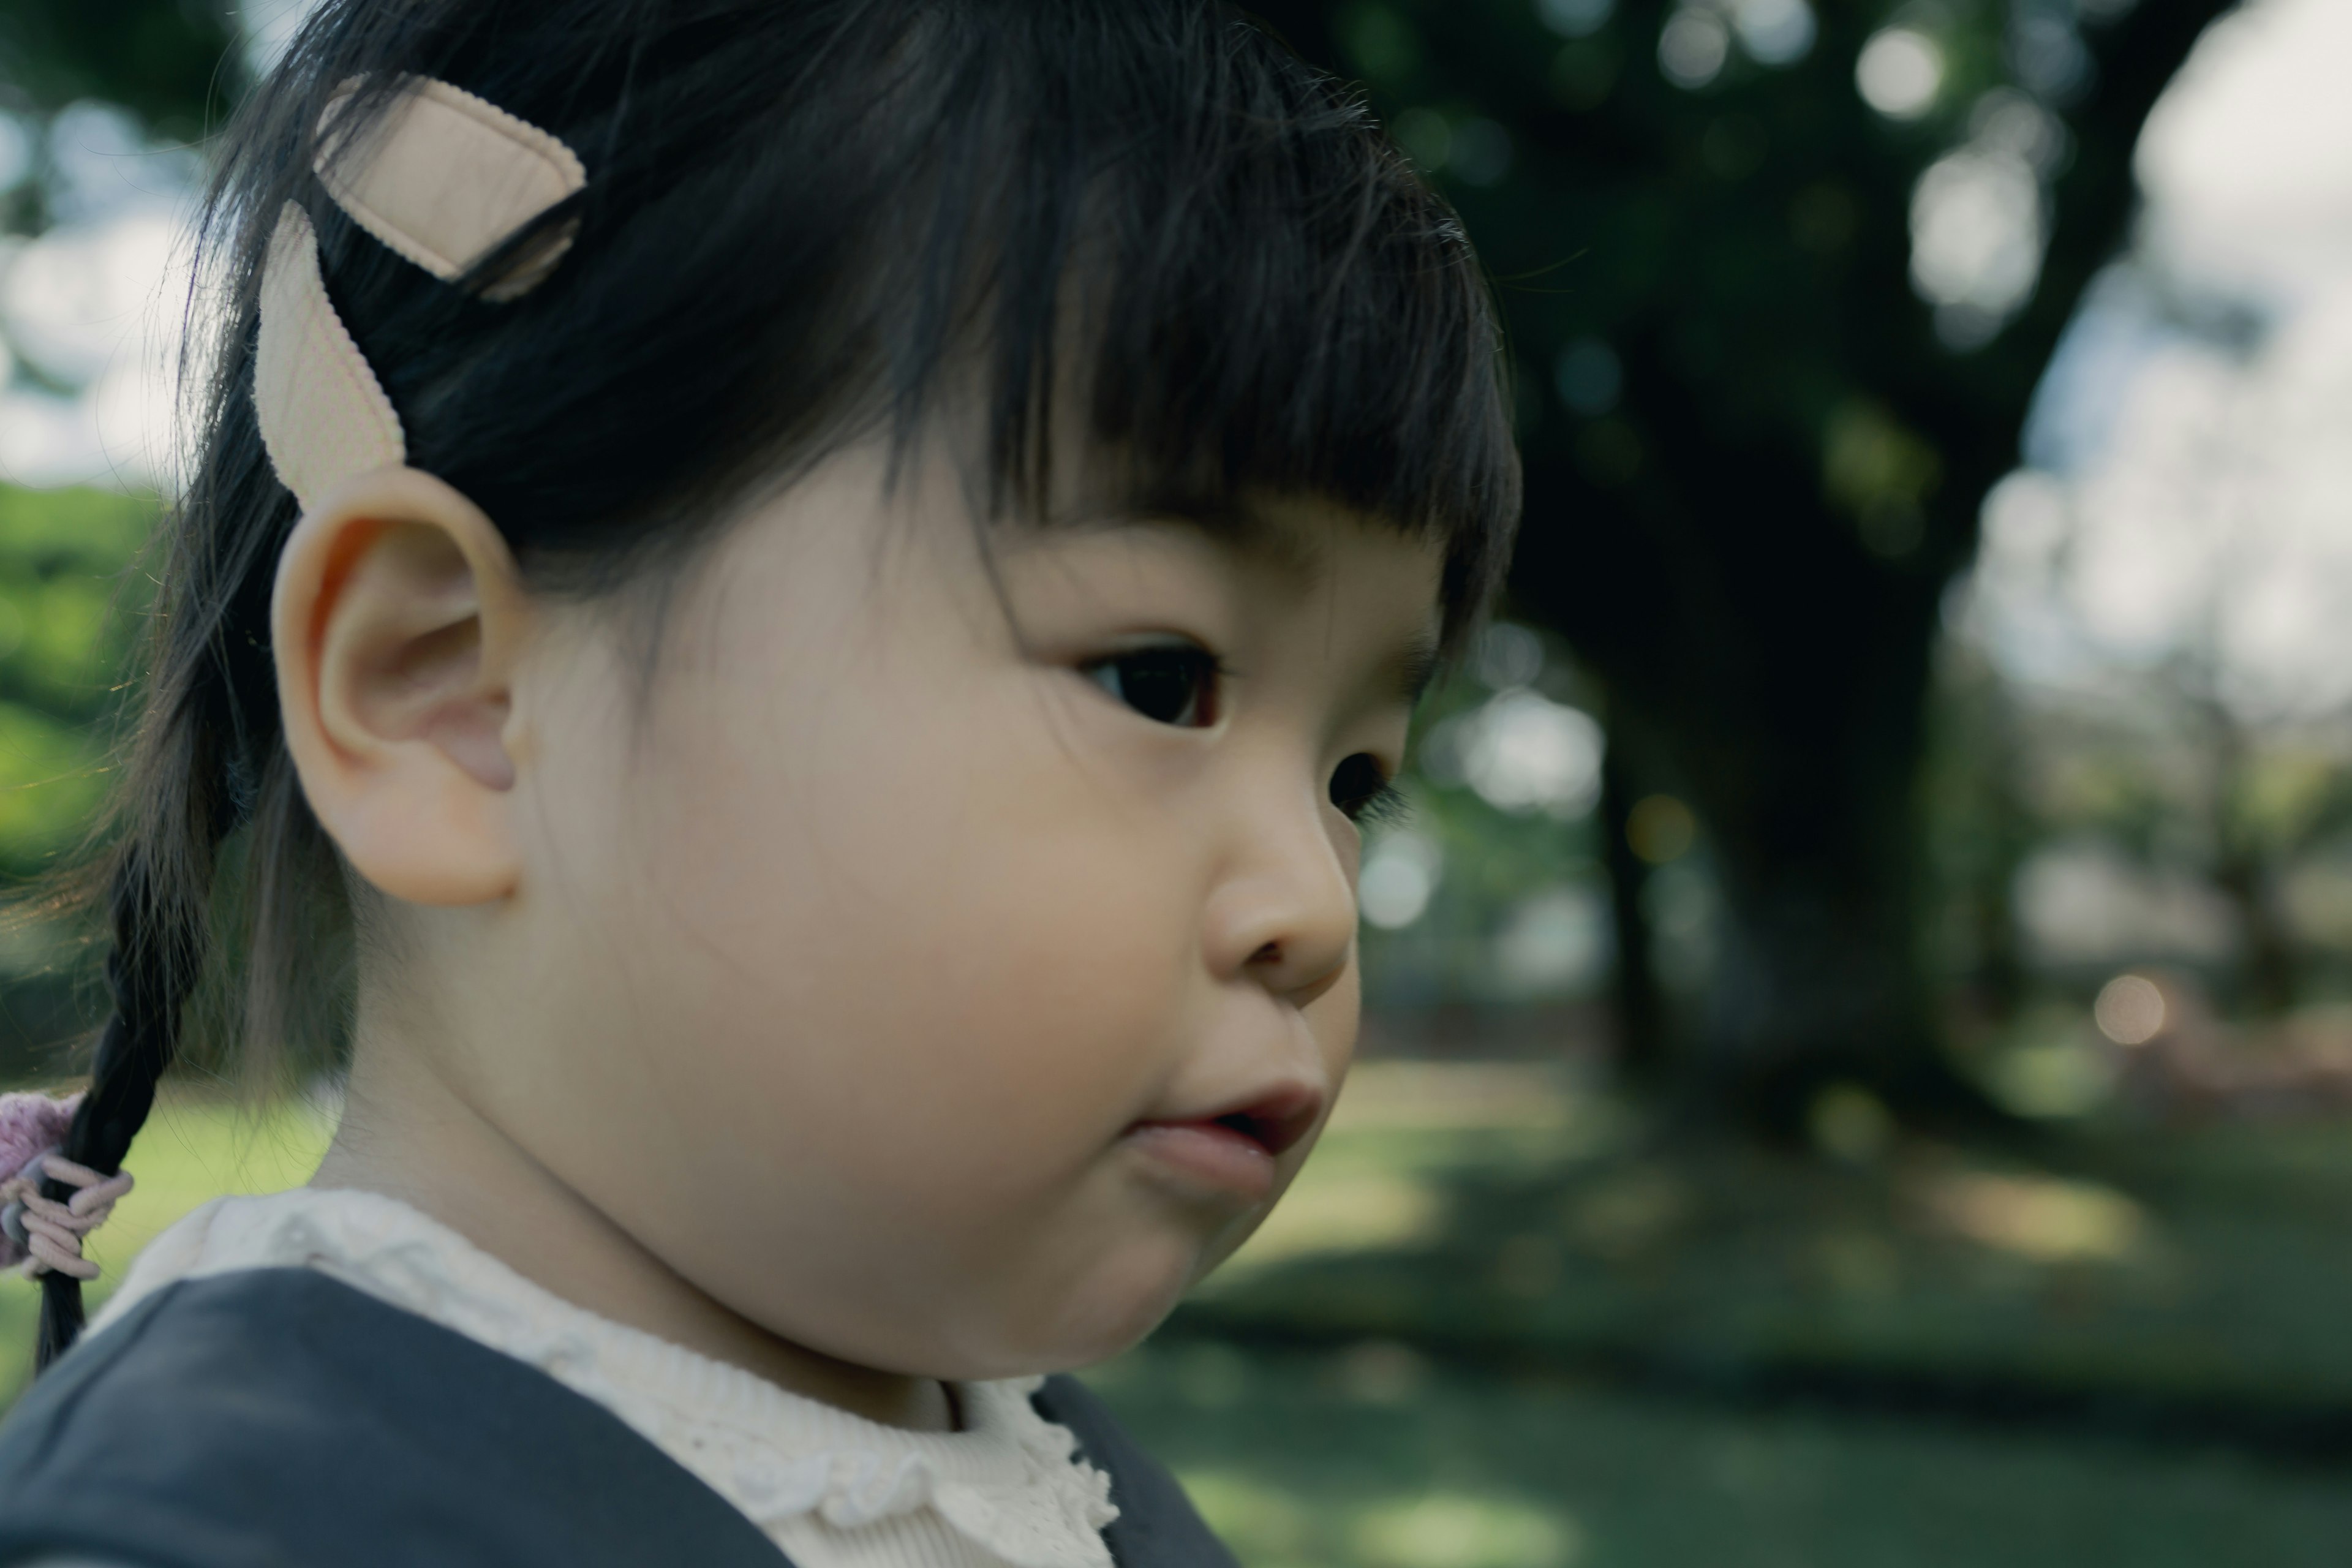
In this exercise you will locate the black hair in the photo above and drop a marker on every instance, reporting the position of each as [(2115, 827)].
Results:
[(806, 221)]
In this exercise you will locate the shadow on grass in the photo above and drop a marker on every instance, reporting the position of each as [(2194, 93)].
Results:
[(2185, 1288), (1374, 1456)]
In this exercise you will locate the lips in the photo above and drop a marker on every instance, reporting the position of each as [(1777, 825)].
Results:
[(1232, 1151), (1275, 1120)]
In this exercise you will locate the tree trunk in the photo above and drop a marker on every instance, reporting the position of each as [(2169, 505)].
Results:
[(1995, 979), (1817, 982), (2266, 958), (1783, 686), (2242, 871), (1637, 1006)]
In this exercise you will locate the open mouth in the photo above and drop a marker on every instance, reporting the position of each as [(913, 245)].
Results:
[(1274, 1128), (1233, 1150)]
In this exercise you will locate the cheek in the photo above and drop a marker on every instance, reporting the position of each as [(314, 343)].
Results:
[(950, 972), (1336, 1016)]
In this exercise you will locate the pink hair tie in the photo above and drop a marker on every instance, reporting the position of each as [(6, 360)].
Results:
[(41, 1233)]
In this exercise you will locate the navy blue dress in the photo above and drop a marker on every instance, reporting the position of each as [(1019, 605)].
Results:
[(278, 1418)]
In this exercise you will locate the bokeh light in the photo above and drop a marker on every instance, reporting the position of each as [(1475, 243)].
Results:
[(2130, 1010), (1399, 874), (1693, 47), (1899, 72), (1661, 828), (1774, 32)]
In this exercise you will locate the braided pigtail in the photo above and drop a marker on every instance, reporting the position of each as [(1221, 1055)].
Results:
[(182, 801), (149, 977)]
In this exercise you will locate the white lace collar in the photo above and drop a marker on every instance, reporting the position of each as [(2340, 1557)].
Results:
[(1009, 1481)]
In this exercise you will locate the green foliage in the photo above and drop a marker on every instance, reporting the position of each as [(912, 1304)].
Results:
[(48, 784), (169, 61), (68, 611)]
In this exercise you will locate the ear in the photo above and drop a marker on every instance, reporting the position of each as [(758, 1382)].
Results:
[(397, 621)]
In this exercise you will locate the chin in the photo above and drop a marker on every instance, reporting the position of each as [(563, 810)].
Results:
[(1107, 1311)]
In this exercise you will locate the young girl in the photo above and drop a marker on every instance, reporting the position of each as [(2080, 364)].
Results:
[(785, 616)]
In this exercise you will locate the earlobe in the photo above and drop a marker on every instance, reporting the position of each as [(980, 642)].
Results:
[(396, 622)]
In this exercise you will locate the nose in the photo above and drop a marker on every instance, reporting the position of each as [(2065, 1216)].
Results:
[(1283, 912)]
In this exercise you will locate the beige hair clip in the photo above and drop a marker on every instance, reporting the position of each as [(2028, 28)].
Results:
[(443, 180)]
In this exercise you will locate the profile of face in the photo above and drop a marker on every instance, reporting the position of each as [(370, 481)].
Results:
[(939, 954)]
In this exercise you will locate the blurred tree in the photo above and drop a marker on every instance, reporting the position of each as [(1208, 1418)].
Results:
[(169, 62), (2186, 786), (68, 604), (68, 611), (1781, 281), (65, 632)]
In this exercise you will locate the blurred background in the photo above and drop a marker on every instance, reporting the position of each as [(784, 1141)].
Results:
[(1859, 1058)]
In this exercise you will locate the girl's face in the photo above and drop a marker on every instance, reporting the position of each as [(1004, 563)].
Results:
[(941, 990)]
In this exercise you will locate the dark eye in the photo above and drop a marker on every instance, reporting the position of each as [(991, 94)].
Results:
[(1360, 788), (1174, 684)]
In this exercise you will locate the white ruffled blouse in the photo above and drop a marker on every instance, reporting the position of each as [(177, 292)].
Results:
[(832, 1489)]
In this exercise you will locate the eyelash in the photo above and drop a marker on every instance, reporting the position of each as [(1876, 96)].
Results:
[(1382, 801), (1127, 677)]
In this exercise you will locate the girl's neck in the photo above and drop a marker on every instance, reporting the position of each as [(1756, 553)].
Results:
[(406, 1135)]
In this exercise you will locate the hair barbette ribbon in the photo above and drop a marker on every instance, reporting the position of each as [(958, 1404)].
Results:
[(444, 180)]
